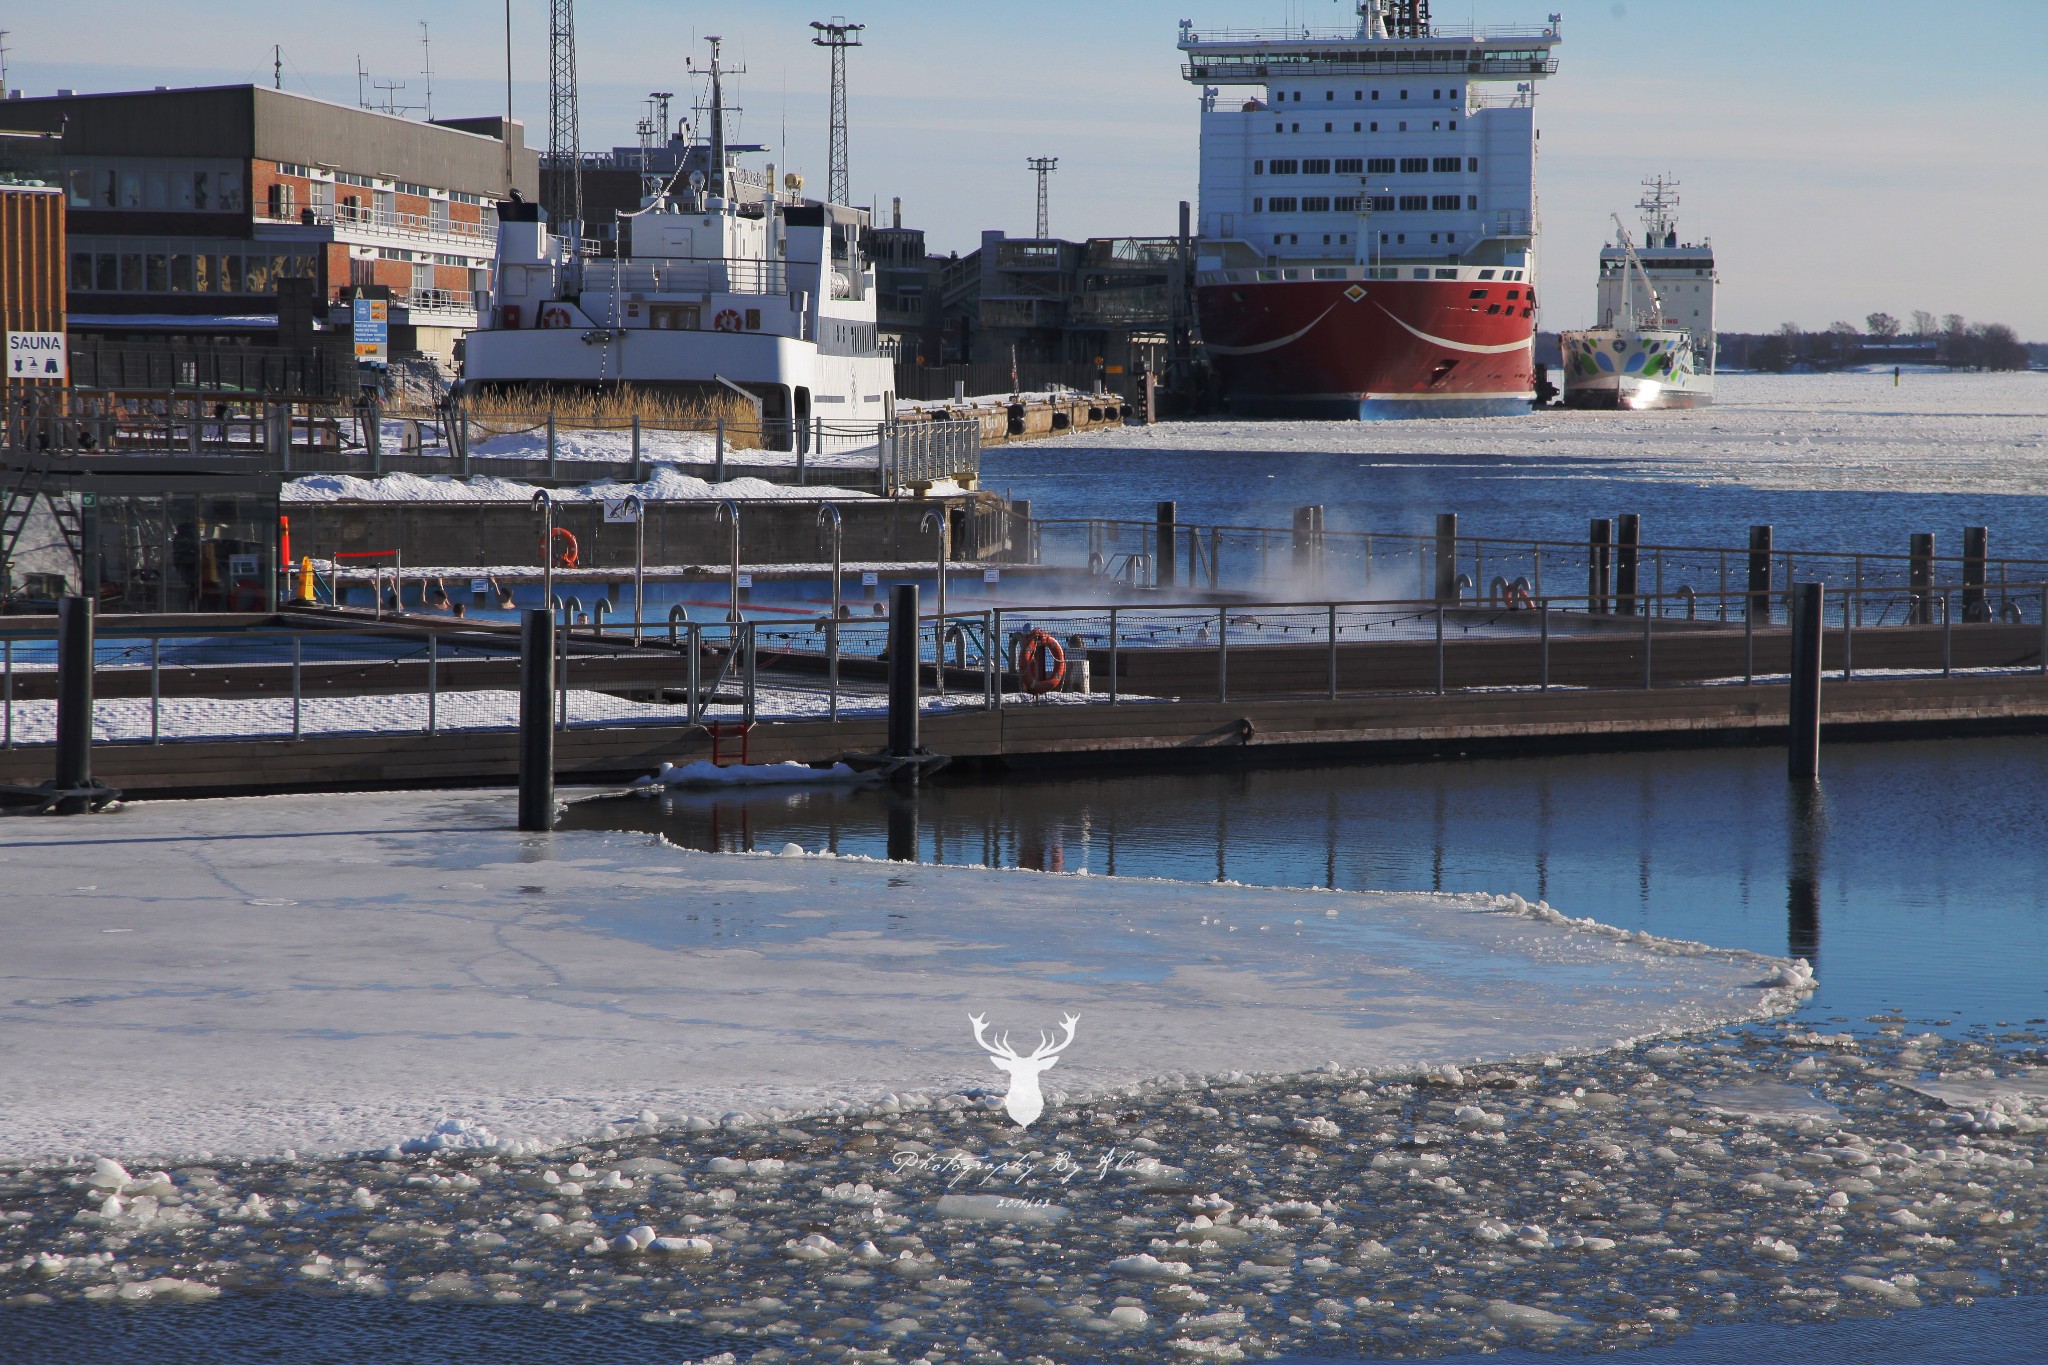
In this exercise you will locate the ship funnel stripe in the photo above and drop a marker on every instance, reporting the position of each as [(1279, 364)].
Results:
[(1265, 346), (1468, 347)]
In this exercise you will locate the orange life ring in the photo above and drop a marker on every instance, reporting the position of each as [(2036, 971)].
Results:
[(564, 546), (1041, 663), (728, 320), (554, 315), (1518, 596)]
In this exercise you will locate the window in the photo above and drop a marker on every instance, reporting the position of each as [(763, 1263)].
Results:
[(1472, 202), (1349, 165), (1375, 128), (1436, 125), (1472, 163), (1258, 168), (293, 168), (1446, 203), (1294, 128), (1329, 94), (1478, 294), (1379, 165), (1329, 127), (1358, 94), (1316, 166), (1404, 126), (1454, 125), (1454, 92), (1381, 203), (1279, 127), (1446, 163), (1436, 94), (407, 187), (1414, 165), (1404, 94), (1258, 206), (1316, 203), (1375, 94), (1414, 203), (1345, 203), (283, 201), (1288, 167), (1358, 127), (1281, 204)]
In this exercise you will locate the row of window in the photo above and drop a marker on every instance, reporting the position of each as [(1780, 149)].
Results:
[(1435, 126), (155, 266), (1375, 203), (1368, 165), (1359, 96), (174, 186), (369, 183)]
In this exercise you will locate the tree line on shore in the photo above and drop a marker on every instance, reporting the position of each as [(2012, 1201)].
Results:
[(1922, 339)]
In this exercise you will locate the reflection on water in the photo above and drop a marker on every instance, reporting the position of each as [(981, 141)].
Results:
[(1922, 858)]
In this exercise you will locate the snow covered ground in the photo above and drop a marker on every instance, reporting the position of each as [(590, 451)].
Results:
[(664, 484), (330, 974), (592, 445), (1935, 432)]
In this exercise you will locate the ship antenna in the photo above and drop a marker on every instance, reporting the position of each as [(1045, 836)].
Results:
[(1372, 19)]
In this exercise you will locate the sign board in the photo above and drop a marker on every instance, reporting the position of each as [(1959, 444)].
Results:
[(35, 355), (371, 321), (479, 586), (991, 575), (624, 511), (243, 566), (746, 580), (869, 578)]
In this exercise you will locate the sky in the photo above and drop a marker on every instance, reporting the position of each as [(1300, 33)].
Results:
[(1844, 156)]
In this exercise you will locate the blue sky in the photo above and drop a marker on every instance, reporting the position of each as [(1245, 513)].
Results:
[(1844, 155)]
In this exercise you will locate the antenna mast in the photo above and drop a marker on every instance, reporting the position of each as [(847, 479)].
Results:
[(276, 68), (838, 36), (427, 57), (3, 63), (1660, 208), (717, 185), (564, 195), (1044, 166)]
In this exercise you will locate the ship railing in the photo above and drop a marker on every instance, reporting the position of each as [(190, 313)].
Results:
[(415, 226), (1195, 39), (697, 275)]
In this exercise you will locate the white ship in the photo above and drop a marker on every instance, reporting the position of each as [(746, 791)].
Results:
[(724, 282), (1654, 346)]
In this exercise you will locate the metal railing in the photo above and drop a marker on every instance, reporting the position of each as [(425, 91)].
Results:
[(416, 226), (728, 275)]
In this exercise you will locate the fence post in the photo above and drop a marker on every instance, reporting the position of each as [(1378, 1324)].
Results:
[(752, 674), (1222, 654), (718, 455), (1446, 557), (1333, 651), (373, 433), (536, 720), (1759, 598), (1162, 566), (1543, 644), (433, 684), (1976, 543), (7, 688), (298, 685), (1115, 660), (551, 443), (74, 702), (639, 475), (1439, 649), (156, 689), (1804, 741), (903, 670), (1599, 540)]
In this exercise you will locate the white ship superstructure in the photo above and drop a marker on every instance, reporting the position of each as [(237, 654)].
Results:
[(716, 285)]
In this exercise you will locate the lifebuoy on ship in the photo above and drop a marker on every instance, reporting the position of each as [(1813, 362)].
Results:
[(1041, 663), (554, 315), (728, 320), (563, 546)]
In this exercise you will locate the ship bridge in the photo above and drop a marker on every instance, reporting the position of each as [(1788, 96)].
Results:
[(1259, 56)]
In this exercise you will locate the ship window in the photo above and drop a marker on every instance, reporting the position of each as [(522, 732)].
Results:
[(1382, 203), (1478, 293), (1400, 239), (1486, 274), (1422, 274), (1436, 94), (1258, 206), (1329, 127), (1326, 239), (1451, 237), (1344, 239), (1281, 204), (1316, 166), (1329, 272), (1445, 203), (1375, 128), (1514, 293), (1329, 94), (1432, 239), (1436, 125), (1443, 274), (1295, 128), (1289, 167), (1316, 203), (1279, 127), (1414, 203), (1472, 163), (1404, 94), (1358, 94), (1258, 168), (1375, 94), (1414, 165), (1454, 125), (1349, 165), (1454, 92), (1471, 201), (1383, 239), (1357, 127), (1404, 126), (1445, 163), (1345, 203), (1493, 308)]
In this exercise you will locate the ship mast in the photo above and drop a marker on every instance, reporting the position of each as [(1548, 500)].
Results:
[(1372, 19), (1626, 319), (1659, 209), (717, 123)]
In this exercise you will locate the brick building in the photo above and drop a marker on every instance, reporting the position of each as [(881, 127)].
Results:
[(187, 208)]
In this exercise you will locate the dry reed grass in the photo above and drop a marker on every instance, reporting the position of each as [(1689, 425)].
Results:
[(497, 412)]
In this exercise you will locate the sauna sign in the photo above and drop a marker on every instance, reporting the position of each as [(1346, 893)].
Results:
[(35, 355), (370, 320)]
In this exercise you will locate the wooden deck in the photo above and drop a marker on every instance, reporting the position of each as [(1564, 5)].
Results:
[(1354, 728)]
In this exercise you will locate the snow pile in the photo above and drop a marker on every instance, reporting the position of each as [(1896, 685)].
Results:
[(663, 484)]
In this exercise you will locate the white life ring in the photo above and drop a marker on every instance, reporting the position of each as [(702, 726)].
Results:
[(554, 315), (728, 320)]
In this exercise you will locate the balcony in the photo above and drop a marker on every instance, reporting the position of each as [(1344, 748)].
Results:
[(368, 224), (704, 275)]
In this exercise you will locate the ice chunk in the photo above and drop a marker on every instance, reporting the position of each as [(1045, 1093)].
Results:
[(1770, 1101), (108, 1175), (995, 1208), (1502, 1313), (1144, 1266)]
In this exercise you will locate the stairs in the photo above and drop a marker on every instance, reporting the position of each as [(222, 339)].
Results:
[(19, 505)]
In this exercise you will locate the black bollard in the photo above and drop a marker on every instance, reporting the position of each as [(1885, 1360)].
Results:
[(903, 670), (1759, 599), (1920, 577), (537, 720), (1447, 556), (1807, 812), (74, 703), (1976, 545), (1628, 538), (1804, 744), (1599, 554), (1163, 575)]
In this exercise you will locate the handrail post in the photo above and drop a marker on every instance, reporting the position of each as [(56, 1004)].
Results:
[(995, 649), (1749, 644), (156, 688), (1637, 604), (1543, 644), (433, 684), (1115, 661), (1947, 635), (1439, 649), (298, 686), (1222, 654), (536, 720), (75, 665), (1808, 619), (753, 639), (694, 641), (1333, 651)]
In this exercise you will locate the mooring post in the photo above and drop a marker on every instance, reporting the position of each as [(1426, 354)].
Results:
[(1628, 539), (551, 443), (1599, 552), (1804, 740), (1446, 557), (1976, 541), (1920, 577), (74, 703), (718, 457), (639, 474), (1758, 602), (537, 719), (902, 822), (1162, 569), (903, 670)]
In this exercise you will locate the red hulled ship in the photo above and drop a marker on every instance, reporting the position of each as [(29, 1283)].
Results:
[(1368, 215)]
